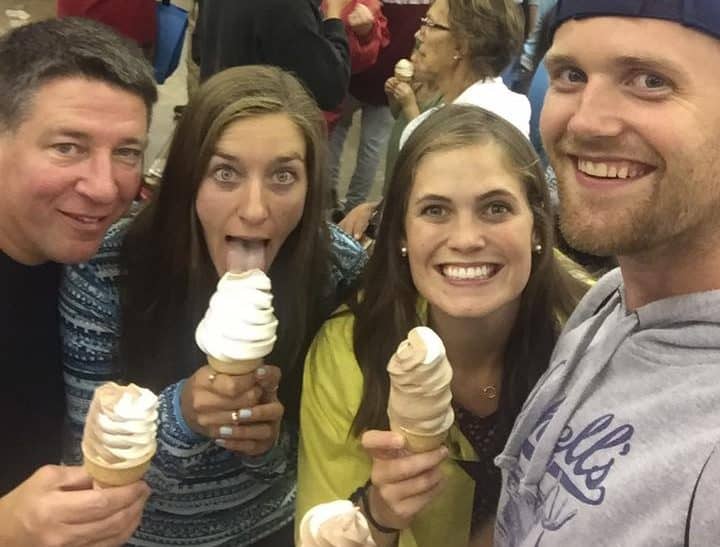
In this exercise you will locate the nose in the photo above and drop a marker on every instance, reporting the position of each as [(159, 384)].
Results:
[(596, 112), (99, 184), (466, 233), (253, 207)]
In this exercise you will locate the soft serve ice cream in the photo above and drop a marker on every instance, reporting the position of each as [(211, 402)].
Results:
[(120, 431), (419, 403), (335, 524), (404, 70), (239, 327)]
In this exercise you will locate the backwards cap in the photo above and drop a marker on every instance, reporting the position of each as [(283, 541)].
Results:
[(701, 15)]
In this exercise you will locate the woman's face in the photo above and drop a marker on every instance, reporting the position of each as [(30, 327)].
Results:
[(253, 192), (469, 232), (436, 47)]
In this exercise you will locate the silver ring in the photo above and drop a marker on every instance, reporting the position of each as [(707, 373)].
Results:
[(234, 416), (211, 377)]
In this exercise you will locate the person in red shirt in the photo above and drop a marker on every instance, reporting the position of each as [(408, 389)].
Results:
[(135, 19)]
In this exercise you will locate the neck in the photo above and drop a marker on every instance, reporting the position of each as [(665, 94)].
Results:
[(687, 265), (457, 81), (475, 344)]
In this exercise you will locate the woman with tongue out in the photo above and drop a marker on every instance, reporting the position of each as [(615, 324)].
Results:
[(242, 190), (464, 247)]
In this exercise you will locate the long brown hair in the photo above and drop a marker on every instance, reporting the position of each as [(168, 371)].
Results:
[(170, 275), (387, 309)]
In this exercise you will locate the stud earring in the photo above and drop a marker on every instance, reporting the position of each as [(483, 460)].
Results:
[(537, 249), (403, 251)]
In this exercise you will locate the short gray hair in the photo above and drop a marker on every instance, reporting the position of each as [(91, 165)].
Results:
[(35, 54)]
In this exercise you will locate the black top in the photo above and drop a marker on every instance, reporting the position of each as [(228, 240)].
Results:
[(290, 34), (488, 442), (32, 402)]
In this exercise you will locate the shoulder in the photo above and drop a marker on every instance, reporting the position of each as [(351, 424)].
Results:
[(495, 96), (97, 278), (336, 334), (331, 370), (347, 257), (596, 297)]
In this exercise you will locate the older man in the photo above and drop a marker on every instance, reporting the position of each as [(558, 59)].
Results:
[(616, 445), (76, 101)]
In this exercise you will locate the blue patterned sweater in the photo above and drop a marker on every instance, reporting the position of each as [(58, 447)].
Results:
[(203, 495)]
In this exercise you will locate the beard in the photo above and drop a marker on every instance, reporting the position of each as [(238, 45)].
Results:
[(669, 206)]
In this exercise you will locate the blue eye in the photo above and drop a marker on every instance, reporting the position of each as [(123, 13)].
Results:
[(224, 174), (649, 81), (285, 176), (435, 211)]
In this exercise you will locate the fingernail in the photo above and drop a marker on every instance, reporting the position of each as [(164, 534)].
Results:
[(226, 431), (220, 442), (244, 413), (357, 236), (444, 451), (262, 371)]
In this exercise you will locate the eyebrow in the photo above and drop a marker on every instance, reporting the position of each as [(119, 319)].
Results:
[(498, 192), (665, 66), (82, 136), (295, 156)]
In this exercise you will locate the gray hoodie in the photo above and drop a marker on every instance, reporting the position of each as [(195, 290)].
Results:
[(615, 445)]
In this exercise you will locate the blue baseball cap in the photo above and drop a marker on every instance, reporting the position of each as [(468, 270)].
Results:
[(700, 15)]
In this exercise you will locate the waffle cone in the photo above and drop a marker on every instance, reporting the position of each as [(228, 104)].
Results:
[(106, 477), (234, 368), (418, 442)]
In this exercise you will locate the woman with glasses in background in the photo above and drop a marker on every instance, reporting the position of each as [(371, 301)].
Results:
[(462, 47)]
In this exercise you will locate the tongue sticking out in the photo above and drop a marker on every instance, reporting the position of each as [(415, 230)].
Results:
[(244, 255)]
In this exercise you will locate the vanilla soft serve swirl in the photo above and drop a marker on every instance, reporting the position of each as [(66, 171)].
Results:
[(239, 323), (121, 425)]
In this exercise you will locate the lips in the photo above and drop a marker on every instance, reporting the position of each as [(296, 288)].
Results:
[(89, 221)]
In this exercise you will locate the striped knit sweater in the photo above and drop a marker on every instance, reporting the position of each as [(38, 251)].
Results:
[(203, 495)]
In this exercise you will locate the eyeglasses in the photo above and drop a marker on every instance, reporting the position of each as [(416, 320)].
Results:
[(429, 23)]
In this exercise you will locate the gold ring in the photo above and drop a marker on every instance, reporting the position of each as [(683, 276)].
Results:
[(211, 377), (234, 416)]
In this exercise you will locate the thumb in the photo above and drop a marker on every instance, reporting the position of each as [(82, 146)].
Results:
[(74, 477)]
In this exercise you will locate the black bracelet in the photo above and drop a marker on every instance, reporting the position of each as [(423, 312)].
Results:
[(362, 494)]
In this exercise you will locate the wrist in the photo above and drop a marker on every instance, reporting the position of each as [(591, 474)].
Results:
[(368, 500)]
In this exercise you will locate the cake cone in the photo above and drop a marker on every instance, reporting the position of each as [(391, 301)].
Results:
[(417, 442), (234, 368), (106, 477)]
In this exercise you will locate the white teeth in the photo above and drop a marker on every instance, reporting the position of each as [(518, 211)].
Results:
[(87, 220), (617, 170), (475, 272)]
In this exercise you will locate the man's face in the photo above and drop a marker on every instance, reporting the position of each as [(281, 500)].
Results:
[(69, 170), (632, 126)]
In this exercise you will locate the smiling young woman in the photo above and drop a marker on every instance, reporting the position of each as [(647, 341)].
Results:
[(465, 246)]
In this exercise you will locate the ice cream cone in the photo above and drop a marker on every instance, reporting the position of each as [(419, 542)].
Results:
[(417, 442), (234, 368), (404, 71), (106, 476)]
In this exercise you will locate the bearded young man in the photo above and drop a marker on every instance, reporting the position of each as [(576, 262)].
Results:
[(617, 443)]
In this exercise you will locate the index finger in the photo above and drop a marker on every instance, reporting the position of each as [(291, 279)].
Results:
[(231, 386), (82, 506)]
